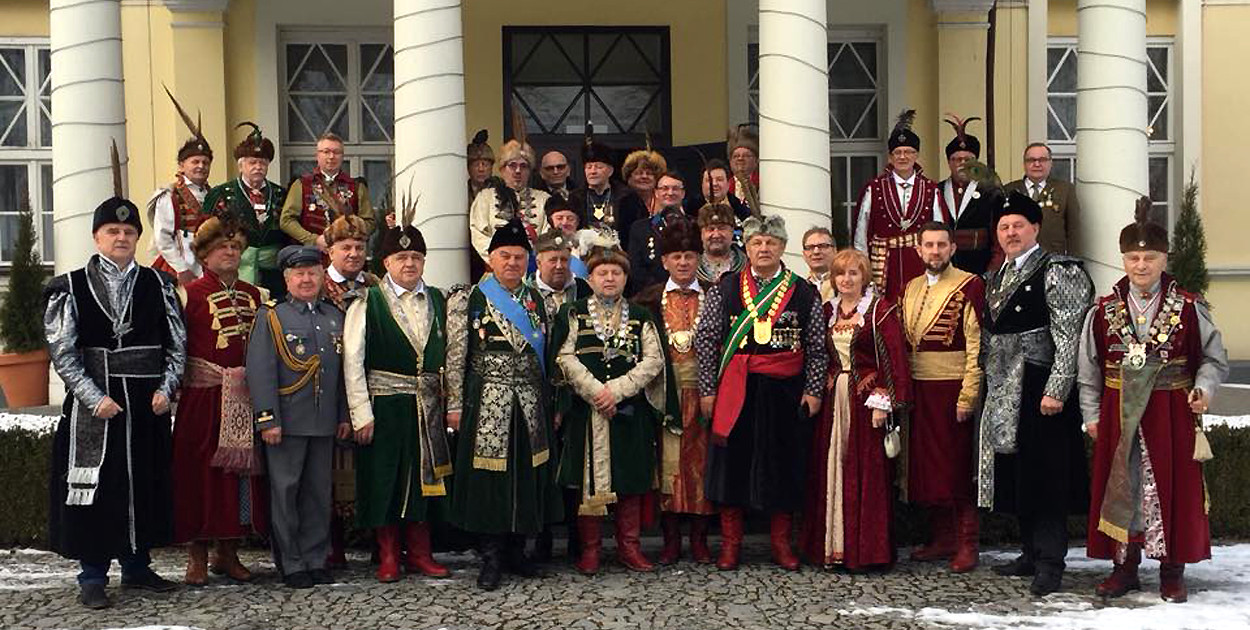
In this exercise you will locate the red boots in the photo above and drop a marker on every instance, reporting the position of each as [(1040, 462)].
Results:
[(388, 553), (197, 564), (670, 526), (698, 540), (338, 555), (226, 561), (590, 537), (783, 556), (942, 545), (967, 533), (730, 539), (420, 558), (628, 526), (1172, 582), (1123, 577)]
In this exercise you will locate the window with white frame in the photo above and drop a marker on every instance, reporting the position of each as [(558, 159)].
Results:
[(857, 126), (25, 142), (1061, 119), (341, 83)]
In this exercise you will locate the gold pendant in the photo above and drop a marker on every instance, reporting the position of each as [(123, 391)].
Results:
[(1136, 357), (763, 331), (681, 341)]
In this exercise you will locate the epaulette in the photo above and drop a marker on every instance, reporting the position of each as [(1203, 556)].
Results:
[(271, 303)]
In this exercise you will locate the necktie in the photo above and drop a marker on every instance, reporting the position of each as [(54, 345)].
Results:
[(1037, 191)]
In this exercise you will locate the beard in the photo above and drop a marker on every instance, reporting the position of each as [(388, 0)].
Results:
[(937, 268)]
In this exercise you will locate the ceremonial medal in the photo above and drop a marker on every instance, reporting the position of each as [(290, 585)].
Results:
[(299, 348), (1162, 337), (1136, 357), (681, 340), (763, 331)]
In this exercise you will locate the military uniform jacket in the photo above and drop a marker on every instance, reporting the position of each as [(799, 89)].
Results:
[(1060, 207), (295, 370)]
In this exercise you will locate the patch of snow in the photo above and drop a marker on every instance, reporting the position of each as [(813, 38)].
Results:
[(39, 425), (1219, 599), (1232, 422)]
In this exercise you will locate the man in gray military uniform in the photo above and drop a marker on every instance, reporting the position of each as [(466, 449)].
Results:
[(295, 374)]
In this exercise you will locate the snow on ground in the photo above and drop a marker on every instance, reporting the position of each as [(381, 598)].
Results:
[(1232, 422), (29, 422), (1219, 599)]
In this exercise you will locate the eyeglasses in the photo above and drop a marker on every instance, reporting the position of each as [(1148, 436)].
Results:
[(817, 246), (555, 167), (670, 188), (1036, 160), (516, 166), (904, 153)]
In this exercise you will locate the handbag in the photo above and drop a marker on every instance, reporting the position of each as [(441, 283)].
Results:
[(1202, 447), (893, 442)]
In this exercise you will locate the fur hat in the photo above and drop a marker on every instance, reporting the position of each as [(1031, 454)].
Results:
[(556, 203), (770, 225), (742, 136), (680, 235), (479, 149), (404, 237), (215, 231), (518, 147), (511, 234), (1143, 235), (719, 213), (647, 157), (254, 145), (345, 227), (596, 152), (196, 145), (606, 249), (963, 141), (902, 135), (1019, 203)]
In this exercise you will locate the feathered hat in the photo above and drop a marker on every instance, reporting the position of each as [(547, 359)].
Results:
[(116, 209), (742, 136), (902, 135), (605, 248), (718, 213), (963, 141), (518, 147), (769, 225), (346, 226), (404, 237), (1019, 203), (1143, 235), (255, 144), (593, 151), (478, 148), (218, 229), (644, 158), (196, 145), (553, 240)]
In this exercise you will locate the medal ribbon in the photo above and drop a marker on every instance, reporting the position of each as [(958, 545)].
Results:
[(776, 293)]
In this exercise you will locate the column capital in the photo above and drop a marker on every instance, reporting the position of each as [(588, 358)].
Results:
[(961, 6)]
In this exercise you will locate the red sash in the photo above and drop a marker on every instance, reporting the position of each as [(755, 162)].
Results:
[(733, 384)]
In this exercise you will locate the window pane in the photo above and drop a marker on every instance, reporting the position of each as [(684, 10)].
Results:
[(45, 70), (1157, 106), (45, 177), (546, 64), (379, 117), (623, 63), (45, 122), (863, 168), (323, 68), (12, 124), (1061, 66), (1157, 73), (379, 74), (297, 167), (1063, 168), (13, 193), (753, 66), (846, 72), (846, 110), (322, 114), (378, 175), (12, 72), (841, 187), (1159, 179), (1061, 123), (629, 103), (544, 107)]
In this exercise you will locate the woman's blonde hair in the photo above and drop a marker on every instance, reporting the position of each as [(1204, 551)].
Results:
[(848, 258)]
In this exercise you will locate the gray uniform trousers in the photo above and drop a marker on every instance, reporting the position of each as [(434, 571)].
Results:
[(299, 499)]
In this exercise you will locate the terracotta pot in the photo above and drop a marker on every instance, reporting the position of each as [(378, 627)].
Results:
[(24, 378)]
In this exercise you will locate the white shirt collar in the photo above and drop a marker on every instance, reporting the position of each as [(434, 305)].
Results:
[(400, 291), (1031, 184), (339, 278), (780, 268), (543, 286), (1023, 258), (192, 185), (673, 286), (898, 179), (931, 277), (107, 261)]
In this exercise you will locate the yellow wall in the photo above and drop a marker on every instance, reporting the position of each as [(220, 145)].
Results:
[(1225, 134), (697, 54), (1011, 91), (922, 66), (24, 18), (1161, 18), (240, 70)]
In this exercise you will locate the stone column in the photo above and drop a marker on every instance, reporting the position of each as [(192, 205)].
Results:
[(794, 118), (1111, 140), (88, 110), (430, 131), (963, 26), (197, 34)]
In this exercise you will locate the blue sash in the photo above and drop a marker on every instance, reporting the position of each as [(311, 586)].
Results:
[(516, 315), (578, 268)]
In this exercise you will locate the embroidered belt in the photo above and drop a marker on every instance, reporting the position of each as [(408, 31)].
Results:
[(1172, 376), (383, 383), (235, 440), (506, 368), (972, 239), (135, 362)]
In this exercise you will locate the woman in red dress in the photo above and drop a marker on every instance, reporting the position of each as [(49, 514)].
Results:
[(849, 495)]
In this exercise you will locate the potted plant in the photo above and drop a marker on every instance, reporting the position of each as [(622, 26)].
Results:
[(24, 364)]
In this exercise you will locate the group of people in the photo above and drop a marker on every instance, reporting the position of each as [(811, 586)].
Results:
[(621, 353)]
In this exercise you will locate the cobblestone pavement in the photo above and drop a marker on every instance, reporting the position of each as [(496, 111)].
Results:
[(37, 591)]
